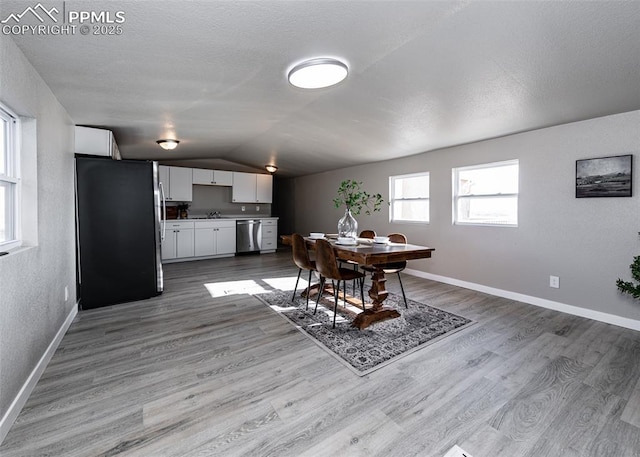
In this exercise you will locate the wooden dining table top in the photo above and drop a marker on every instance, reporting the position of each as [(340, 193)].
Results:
[(366, 252)]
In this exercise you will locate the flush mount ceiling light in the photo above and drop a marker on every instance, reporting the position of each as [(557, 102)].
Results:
[(168, 145), (318, 73), (271, 168)]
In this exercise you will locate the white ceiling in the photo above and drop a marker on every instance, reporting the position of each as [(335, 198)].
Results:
[(423, 75)]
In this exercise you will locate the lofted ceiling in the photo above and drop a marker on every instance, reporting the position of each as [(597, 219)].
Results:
[(423, 75)]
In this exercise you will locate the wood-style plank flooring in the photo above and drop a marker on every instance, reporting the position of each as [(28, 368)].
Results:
[(206, 369)]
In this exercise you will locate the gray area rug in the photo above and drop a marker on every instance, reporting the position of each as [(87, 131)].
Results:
[(373, 347)]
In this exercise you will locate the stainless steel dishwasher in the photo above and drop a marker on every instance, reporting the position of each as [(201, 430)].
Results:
[(248, 235)]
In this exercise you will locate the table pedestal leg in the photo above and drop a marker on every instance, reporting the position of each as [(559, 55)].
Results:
[(376, 313), (311, 290)]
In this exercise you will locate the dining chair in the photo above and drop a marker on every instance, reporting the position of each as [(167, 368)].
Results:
[(368, 234), (328, 267), (302, 260), (394, 267)]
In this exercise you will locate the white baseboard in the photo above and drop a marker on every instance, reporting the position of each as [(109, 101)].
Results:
[(18, 403), (544, 303)]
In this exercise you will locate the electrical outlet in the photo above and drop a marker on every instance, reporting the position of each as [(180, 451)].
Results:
[(66, 293), (242, 208), (554, 281), (257, 207)]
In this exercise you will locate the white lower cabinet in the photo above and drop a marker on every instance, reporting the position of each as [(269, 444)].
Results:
[(205, 241), (197, 239), (184, 243), (178, 240), (215, 238), (269, 235), (226, 240)]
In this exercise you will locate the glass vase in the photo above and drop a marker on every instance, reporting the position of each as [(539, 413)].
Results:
[(347, 225)]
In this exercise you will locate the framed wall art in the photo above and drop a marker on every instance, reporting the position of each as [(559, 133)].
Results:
[(604, 177)]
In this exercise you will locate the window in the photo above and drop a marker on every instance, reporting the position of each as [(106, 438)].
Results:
[(8, 179), (486, 194), (409, 198)]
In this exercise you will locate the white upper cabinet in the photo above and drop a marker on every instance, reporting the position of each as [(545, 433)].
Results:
[(98, 142), (252, 188), (244, 188), (264, 188), (212, 177), (177, 183)]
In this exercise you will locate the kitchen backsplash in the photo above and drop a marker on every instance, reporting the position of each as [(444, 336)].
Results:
[(218, 198)]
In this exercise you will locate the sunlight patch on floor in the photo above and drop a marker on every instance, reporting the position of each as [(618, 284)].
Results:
[(329, 313), (457, 451), (286, 283), (222, 289)]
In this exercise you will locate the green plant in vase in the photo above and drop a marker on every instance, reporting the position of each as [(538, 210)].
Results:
[(355, 199), (629, 287)]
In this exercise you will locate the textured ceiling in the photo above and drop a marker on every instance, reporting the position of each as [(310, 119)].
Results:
[(423, 75)]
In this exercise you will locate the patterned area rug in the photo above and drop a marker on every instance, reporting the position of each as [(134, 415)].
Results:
[(373, 347)]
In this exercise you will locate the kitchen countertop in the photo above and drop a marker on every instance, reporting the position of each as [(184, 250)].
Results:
[(223, 218)]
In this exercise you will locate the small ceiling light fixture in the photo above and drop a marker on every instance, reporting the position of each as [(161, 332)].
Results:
[(318, 73), (271, 168), (168, 145)]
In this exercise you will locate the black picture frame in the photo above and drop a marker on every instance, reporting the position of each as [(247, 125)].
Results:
[(604, 177)]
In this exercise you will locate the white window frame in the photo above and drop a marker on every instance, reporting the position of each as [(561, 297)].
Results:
[(393, 198), (11, 177), (457, 199)]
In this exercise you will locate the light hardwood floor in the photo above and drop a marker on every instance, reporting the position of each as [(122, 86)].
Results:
[(204, 370)]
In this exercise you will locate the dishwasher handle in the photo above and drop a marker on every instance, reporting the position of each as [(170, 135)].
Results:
[(248, 222)]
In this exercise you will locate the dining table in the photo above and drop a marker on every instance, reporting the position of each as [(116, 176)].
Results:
[(365, 251)]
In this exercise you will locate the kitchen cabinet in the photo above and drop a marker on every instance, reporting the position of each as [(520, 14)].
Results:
[(269, 235), (92, 141), (264, 188), (252, 188), (215, 238), (177, 183), (212, 177), (178, 240)]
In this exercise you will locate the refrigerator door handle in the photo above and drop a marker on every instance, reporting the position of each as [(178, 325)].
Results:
[(164, 212), (75, 185)]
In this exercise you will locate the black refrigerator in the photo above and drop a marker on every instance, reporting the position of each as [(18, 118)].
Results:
[(118, 224)]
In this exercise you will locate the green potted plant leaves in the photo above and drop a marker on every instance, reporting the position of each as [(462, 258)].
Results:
[(629, 287), (355, 199)]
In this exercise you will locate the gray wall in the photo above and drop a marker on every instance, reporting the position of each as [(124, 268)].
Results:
[(587, 242), (32, 305), (218, 198)]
